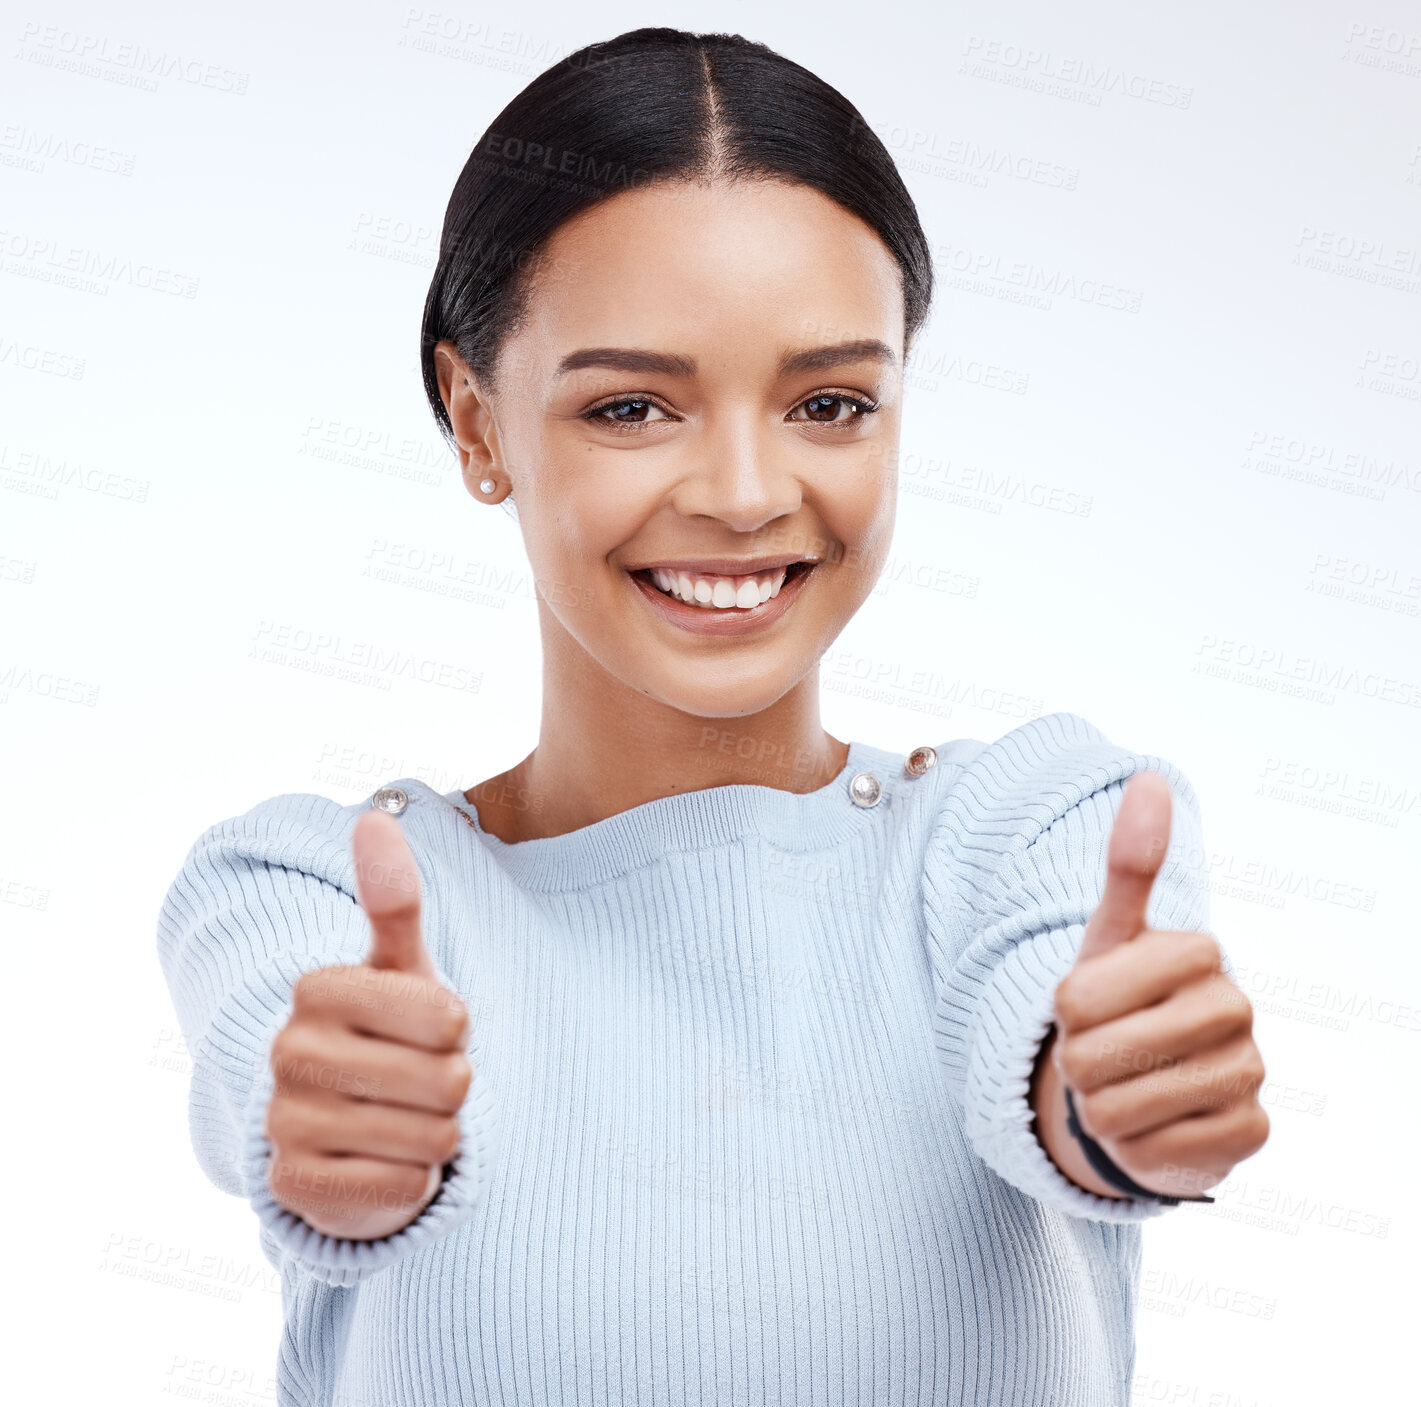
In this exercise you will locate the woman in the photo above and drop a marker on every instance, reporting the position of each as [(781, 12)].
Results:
[(700, 1055)]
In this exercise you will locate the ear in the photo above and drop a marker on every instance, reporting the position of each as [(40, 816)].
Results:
[(470, 410)]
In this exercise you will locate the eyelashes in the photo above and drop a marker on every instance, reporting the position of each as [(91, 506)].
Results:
[(862, 404), (596, 415)]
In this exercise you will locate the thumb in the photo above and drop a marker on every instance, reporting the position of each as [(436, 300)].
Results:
[(387, 883), (1138, 842)]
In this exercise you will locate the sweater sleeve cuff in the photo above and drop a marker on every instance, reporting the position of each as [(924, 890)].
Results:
[(1013, 1015), (339, 1260)]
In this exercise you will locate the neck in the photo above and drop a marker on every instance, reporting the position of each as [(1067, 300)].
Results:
[(604, 750)]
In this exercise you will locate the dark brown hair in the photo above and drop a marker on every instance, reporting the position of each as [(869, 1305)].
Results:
[(652, 104)]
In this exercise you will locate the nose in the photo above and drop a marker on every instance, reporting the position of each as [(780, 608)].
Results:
[(741, 478)]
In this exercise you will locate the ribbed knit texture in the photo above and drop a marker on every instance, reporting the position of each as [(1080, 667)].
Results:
[(749, 1119)]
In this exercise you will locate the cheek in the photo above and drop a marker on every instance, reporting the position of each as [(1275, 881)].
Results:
[(861, 515), (583, 510)]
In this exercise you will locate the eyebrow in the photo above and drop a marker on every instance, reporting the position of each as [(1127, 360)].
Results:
[(673, 364)]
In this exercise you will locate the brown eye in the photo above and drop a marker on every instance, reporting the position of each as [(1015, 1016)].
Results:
[(630, 410), (825, 409)]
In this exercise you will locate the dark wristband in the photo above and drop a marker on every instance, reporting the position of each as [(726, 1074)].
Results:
[(1096, 1156)]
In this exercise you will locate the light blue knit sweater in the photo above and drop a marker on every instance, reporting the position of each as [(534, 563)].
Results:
[(749, 1118)]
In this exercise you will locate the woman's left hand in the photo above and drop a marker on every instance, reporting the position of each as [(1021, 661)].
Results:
[(1154, 1040)]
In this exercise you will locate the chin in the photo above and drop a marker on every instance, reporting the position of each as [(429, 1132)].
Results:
[(719, 698)]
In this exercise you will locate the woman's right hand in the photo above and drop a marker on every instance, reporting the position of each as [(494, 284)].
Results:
[(370, 1070)]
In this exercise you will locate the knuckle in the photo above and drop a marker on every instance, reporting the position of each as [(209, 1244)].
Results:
[(453, 1024), (1240, 1010), (289, 1052), (406, 1180), (312, 988), (286, 1175), (390, 985), (1224, 1018), (1203, 952), (1076, 1063), (446, 1140), (459, 1076), (414, 986), (301, 1047), (1103, 1117), (458, 1033), (1258, 1130), (1252, 1066), (278, 1122), (1068, 1000), (1226, 992), (1144, 1158)]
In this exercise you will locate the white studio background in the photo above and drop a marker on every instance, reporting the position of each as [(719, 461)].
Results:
[(1162, 467)]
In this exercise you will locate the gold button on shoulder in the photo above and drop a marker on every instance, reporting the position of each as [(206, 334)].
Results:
[(391, 799), (865, 789), (919, 760)]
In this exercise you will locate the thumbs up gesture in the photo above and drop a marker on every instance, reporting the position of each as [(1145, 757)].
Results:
[(370, 1070), (1153, 1039)]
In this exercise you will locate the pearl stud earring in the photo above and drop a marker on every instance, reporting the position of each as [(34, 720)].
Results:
[(487, 485)]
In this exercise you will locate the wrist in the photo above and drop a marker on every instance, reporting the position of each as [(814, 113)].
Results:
[(1047, 1097), (1078, 1156)]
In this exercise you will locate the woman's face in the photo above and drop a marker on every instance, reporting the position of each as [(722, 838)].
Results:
[(649, 413)]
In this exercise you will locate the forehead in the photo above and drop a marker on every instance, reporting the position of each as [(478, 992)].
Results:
[(677, 265)]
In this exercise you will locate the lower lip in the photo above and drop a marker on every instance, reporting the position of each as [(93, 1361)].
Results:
[(707, 620)]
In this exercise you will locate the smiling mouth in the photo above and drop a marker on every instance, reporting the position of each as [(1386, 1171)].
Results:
[(724, 594)]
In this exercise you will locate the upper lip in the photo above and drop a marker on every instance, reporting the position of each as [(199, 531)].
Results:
[(723, 566)]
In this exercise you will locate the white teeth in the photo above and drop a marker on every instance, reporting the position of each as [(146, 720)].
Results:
[(722, 593)]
